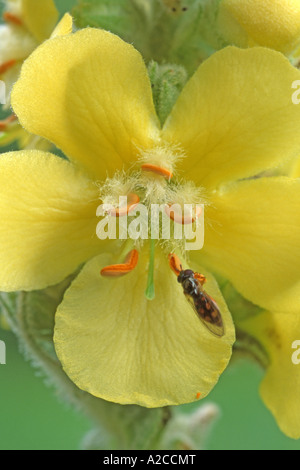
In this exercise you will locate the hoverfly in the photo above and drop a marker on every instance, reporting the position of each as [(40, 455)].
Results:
[(204, 306)]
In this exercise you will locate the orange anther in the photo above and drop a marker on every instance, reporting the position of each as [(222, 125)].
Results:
[(132, 202), (5, 122), (181, 218), (198, 395), (117, 270), (200, 278), (175, 264), (11, 18), (7, 65), (157, 170)]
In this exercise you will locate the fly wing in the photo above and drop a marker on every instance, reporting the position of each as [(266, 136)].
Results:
[(208, 312)]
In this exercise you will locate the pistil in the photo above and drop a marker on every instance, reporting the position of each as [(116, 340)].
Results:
[(150, 291)]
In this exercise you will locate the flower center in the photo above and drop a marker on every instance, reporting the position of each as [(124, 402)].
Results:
[(159, 206)]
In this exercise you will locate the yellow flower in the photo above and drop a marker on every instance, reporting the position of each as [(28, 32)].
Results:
[(232, 121), (294, 168), (28, 23), (278, 333), (269, 23)]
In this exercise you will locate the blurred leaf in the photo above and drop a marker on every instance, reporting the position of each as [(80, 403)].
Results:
[(183, 32)]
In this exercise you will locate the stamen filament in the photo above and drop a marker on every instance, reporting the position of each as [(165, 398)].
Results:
[(150, 291)]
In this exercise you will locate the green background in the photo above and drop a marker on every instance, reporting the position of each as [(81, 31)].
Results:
[(31, 417)]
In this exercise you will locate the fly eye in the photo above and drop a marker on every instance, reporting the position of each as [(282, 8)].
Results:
[(188, 273)]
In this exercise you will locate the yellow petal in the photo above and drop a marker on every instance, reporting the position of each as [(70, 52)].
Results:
[(65, 26), (252, 238), (40, 17), (234, 119), (48, 220), (269, 23), (295, 169), (116, 345), (90, 94), (280, 388)]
